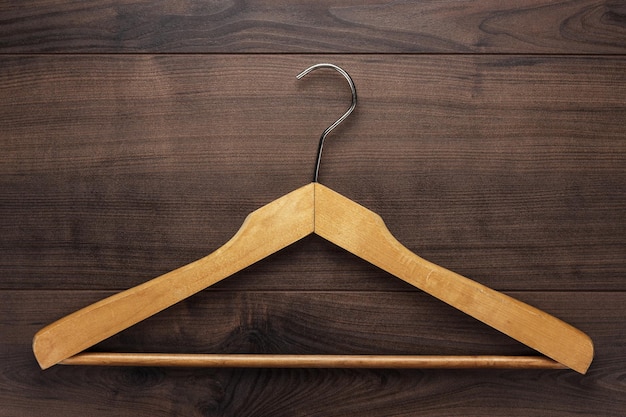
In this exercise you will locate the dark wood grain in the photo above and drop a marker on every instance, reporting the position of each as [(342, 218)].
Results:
[(310, 322), (115, 169), (136, 136), (529, 26)]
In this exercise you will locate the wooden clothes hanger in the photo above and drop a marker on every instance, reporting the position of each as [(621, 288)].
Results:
[(316, 209)]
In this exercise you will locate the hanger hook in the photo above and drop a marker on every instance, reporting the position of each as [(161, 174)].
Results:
[(338, 121)]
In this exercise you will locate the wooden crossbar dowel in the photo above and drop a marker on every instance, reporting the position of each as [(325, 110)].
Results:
[(311, 361)]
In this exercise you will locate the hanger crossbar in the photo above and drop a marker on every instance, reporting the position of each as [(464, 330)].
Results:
[(313, 361)]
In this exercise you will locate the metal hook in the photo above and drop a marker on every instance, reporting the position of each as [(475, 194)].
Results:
[(338, 121)]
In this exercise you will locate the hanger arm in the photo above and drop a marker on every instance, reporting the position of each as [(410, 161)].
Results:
[(363, 233), (265, 231)]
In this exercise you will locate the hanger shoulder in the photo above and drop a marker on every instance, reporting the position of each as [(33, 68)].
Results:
[(363, 233), (265, 231)]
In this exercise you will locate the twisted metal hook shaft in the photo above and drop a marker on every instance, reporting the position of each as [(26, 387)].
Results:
[(338, 121)]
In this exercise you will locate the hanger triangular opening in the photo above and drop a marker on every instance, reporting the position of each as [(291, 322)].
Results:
[(243, 317)]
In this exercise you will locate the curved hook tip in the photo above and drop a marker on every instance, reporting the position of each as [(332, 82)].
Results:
[(316, 66)]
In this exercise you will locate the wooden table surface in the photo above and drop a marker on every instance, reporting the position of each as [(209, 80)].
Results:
[(136, 136)]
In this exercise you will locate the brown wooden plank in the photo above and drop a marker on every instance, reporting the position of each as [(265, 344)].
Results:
[(313, 322), (529, 26), (116, 169)]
